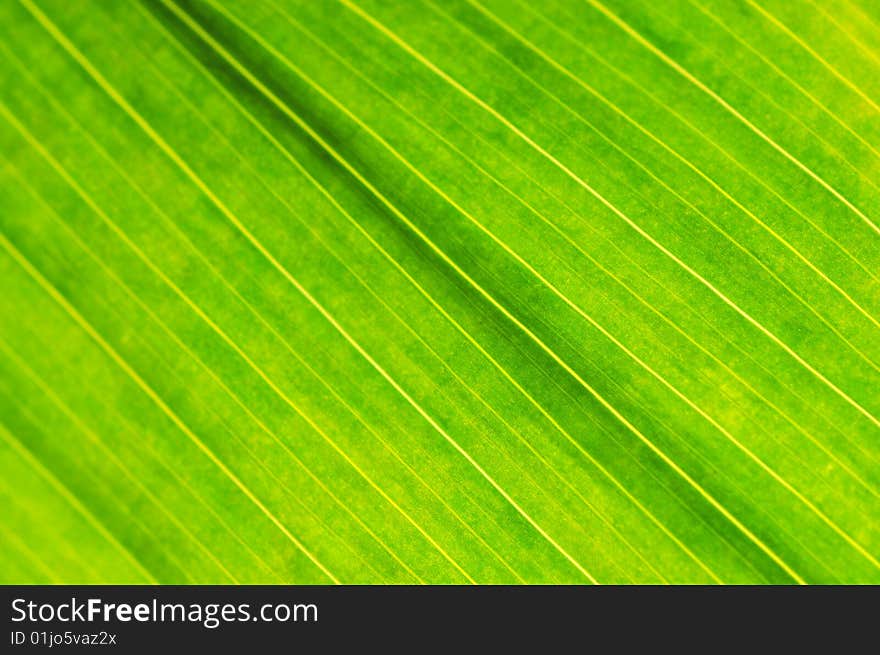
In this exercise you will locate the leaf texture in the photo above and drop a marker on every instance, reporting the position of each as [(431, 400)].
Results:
[(477, 291)]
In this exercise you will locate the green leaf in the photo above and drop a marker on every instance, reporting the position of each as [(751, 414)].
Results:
[(478, 291)]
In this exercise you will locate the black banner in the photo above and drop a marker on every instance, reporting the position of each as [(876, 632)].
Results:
[(412, 619)]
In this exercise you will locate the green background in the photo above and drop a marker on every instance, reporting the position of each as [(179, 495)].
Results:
[(470, 291)]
